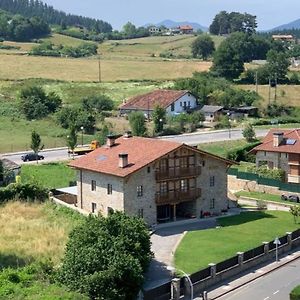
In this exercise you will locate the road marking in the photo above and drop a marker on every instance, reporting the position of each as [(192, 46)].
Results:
[(267, 298), (276, 292)]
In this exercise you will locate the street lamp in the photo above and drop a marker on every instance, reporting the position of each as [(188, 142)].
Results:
[(81, 135), (172, 269), (229, 125)]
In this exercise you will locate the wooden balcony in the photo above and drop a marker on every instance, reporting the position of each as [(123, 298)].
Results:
[(173, 173), (174, 197)]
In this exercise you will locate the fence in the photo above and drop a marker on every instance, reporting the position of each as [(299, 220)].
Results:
[(291, 187), (216, 273)]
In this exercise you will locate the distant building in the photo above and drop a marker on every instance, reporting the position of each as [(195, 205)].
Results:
[(174, 101), (211, 112), (186, 29), (155, 30), (284, 38), (157, 180), (280, 149)]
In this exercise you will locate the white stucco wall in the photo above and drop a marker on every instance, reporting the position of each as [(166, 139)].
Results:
[(190, 100)]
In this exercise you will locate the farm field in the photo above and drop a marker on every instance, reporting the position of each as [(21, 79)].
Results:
[(241, 233)]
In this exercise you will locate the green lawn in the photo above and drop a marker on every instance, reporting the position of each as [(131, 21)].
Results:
[(237, 233), (264, 196), (295, 293), (52, 175), (221, 148)]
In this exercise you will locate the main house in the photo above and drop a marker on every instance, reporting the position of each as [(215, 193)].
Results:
[(280, 149), (154, 179), (173, 101)]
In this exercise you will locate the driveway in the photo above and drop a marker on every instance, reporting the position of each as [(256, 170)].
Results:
[(164, 243)]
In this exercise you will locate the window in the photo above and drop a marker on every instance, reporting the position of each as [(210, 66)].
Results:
[(141, 213), (212, 181), (172, 107), (203, 163), (189, 103), (109, 189), (181, 104), (148, 169), (265, 153), (93, 185), (164, 187), (184, 185), (139, 191), (212, 203), (94, 207)]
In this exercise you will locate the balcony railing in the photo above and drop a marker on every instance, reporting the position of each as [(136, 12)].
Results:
[(173, 173), (174, 197)]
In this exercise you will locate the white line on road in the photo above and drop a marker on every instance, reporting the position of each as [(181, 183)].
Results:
[(276, 292), (267, 298)]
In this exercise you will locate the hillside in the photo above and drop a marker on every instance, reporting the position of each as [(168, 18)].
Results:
[(292, 25)]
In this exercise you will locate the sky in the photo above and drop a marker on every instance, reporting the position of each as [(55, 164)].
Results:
[(140, 12)]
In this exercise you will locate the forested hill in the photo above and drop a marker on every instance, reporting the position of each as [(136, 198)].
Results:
[(36, 8)]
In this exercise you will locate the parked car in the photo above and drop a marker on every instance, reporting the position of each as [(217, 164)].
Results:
[(31, 157), (292, 198)]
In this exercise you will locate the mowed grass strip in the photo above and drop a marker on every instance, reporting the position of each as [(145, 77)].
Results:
[(51, 175), (265, 197), (31, 232), (238, 233)]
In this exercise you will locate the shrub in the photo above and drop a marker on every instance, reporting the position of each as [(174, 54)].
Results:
[(106, 257), (263, 171), (241, 153), (137, 123), (24, 192), (295, 293)]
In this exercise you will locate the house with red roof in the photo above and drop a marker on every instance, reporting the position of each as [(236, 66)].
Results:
[(173, 101), (186, 29), (154, 179), (280, 149)]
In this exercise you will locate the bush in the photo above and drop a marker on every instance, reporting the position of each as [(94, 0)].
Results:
[(23, 191), (263, 171), (106, 257), (295, 293), (241, 153)]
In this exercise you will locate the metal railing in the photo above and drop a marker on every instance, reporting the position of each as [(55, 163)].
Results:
[(178, 172)]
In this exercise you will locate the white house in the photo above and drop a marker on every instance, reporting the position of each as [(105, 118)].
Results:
[(173, 101)]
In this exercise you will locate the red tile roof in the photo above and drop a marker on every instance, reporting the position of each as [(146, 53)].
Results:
[(267, 144), (185, 27), (163, 98), (141, 152)]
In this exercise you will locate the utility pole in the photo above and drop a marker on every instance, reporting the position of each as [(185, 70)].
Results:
[(99, 68), (269, 91), (256, 82), (275, 96)]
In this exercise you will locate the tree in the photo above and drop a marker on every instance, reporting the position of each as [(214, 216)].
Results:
[(34, 103), (36, 143), (105, 257), (203, 46), (72, 139), (277, 65), (137, 123), (97, 103), (159, 118), (129, 30), (295, 212), (249, 133)]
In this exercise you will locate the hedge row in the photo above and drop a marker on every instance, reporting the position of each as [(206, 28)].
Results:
[(284, 120), (242, 153), (24, 192), (263, 171), (295, 293)]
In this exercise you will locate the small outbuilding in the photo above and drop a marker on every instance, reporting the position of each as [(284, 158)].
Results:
[(211, 112)]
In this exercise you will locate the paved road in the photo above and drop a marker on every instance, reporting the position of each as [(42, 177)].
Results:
[(274, 286), (190, 139), (215, 136)]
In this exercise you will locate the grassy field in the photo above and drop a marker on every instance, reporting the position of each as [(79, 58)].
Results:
[(36, 231), (237, 233), (221, 148), (51, 175), (264, 197)]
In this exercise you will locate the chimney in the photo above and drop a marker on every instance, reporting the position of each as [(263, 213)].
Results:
[(123, 160), (277, 138), (127, 134), (110, 142)]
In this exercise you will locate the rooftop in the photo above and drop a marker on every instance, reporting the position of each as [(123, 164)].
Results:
[(290, 143), (141, 152), (211, 108), (163, 98)]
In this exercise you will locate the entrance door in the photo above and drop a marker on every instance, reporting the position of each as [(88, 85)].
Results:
[(163, 213)]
